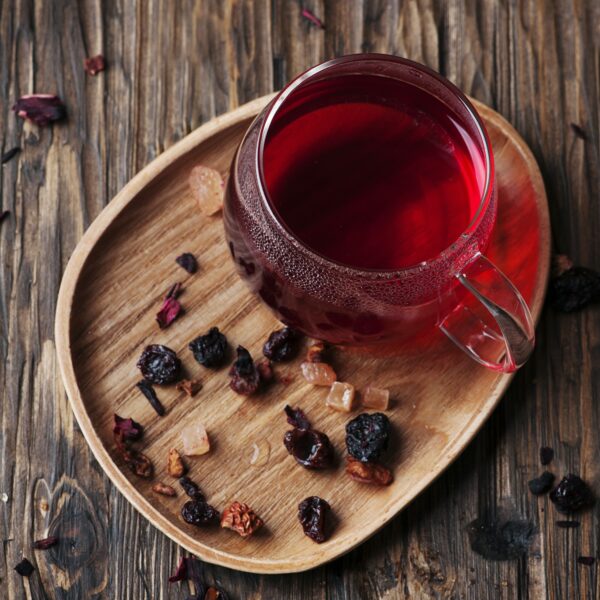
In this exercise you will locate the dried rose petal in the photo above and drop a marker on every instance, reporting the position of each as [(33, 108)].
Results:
[(340, 397), (265, 371), (296, 417), (376, 398), (94, 64), (308, 15), (45, 543), (318, 373), (188, 262), (128, 427), (190, 386), (9, 154), (207, 188), (41, 109), (24, 568), (195, 440), (163, 489), (171, 307), (181, 573)]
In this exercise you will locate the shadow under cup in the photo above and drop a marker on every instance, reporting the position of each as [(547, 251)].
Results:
[(359, 204)]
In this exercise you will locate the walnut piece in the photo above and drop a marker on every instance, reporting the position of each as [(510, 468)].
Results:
[(240, 518), (175, 465), (368, 472), (340, 397), (190, 386)]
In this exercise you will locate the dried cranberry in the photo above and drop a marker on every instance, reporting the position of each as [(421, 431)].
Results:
[(311, 449), (199, 513), (542, 484), (45, 543), (146, 388), (296, 417), (41, 109), (159, 364), (282, 345), (210, 350), (191, 489), (574, 289), (367, 436), (313, 513), (188, 262), (24, 568), (571, 494), (128, 427), (94, 64), (245, 377)]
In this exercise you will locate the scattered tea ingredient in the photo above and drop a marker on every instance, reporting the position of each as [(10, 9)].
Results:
[(164, 489), (94, 64), (188, 262), (265, 371), (542, 484), (588, 561), (194, 438), (567, 524), (190, 568), (571, 494), (313, 514), (210, 350), (208, 188), (146, 388), (296, 417), (312, 18), (40, 109), (240, 518), (311, 449), (546, 455), (138, 462), (190, 386), (10, 154), (574, 287), (128, 427), (340, 397), (199, 513), (175, 465), (367, 436), (159, 364), (315, 352), (282, 345), (171, 307), (245, 378), (318, 373), (191, 488), (45, 543), (181, 573), (24, 568), (368, 472), (375, 398)]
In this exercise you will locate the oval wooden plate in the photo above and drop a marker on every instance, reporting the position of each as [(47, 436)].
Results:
[(113, 286)]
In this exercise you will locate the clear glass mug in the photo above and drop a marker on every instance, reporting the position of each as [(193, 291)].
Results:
[(351, 306)]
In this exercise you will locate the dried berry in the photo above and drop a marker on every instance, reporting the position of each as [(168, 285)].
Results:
[(542, 484), (163, 489), (146, 388), (367, 436), (567, 524), (171, 308), (208, 188), (24, 568), (588, 561), (265, 371), (574, 289), (315, 352), (159, 364), (188, 262), (94, 64), (309, 16), (245, 378), (199, 513), (340, 397), (191, 488), (296, 417), (368, 472), (282, 345), (128, 427), (194, 438), (318, 373), (190, 386), (138, 462), (41, 109), (175, 465), (242, 519), (45, 543), (10, 154), (376, 398), (210, 350), (546, 455), (311, 449), (313, 513), (571, 494)]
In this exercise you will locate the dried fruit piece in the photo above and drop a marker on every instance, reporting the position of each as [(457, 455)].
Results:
[(24, 568), (546, 455), (146, 388), (208, 189), (175, 465), (194, 438), (128, 427), (188, 262), (376, 398), (138, 462), (94, 64), (210, 350), (367, 436), (265, 371), (41, 109), (311, 449), (315, 352), (45, 543), (567, 524), (542, 484), (309, 16), (171, 308), (181, 573), (163, 489), (201, 514), (282, 345), (340, 397), (588, 561), (368, 472), (574, 289), (242, 519), (571, 494), (296, 417), (318, 373), (10, 154), (159, 364), (190, 386), (191, 488), (313, 514), (245, 378)]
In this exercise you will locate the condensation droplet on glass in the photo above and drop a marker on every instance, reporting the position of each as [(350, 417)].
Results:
[(259, 456), (4, 497)]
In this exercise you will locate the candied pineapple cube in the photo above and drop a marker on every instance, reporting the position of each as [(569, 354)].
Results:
[(376, 398), (208, 188), (318, 373), (340, 397), (195, 440)]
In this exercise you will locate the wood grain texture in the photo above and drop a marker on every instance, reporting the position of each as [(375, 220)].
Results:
[(172, 66)]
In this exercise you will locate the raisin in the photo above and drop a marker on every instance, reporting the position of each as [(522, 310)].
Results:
[(311, 449), (199, 513), (574, 289), (188, 262), (159, 365), (296, 417), (245, 377), (282, 345), (191, 489), (313, 513), (210, 350), (367, 436), (571, 494), (542, 484)]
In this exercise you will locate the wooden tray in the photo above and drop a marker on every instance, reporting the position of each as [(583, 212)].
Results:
[(113, 287)]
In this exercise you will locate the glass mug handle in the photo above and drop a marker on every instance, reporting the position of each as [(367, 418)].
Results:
[(508, 350)]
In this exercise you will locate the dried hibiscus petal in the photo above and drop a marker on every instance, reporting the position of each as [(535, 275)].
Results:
[(240, 518), (171, 308), (368, 472), (41, 109), (188, 262), (94, 64), (313, 514), (146, 388), (10, 154), (210, 350), (312, 18), (128, 427), (159, 364), (181, 573), (45, 543), (245, 378), (24, 568), (546, 455)]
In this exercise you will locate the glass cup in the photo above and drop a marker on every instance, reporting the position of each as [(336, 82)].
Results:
[(368, 308)]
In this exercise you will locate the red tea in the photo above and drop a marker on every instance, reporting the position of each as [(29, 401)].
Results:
[(372, 172)]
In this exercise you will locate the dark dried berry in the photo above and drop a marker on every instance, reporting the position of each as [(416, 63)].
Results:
[(146, 388), (9, 154), (367, 436), (128, 427), (311, 449), (567, 524), (41, 109), (245, 378), (188, 262), (171, 308), (159, 364), (199, 513), (282, 345), (45, 543), (24, 568), (574, 289), (588, 561), (546, 455), (191, 489), (542, 484), (313, 514), (210, 350), (571, 494), (94, 64), (265, 371), (296, 417)]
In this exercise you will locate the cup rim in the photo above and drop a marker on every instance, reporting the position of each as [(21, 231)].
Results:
[(442, 256)]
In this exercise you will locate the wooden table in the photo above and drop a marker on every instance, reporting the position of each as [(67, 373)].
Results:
[(174, 65)]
